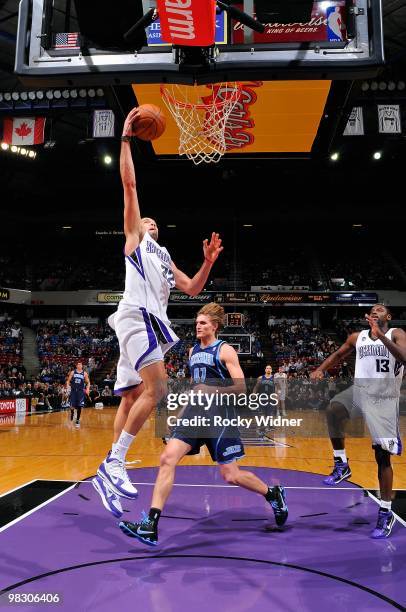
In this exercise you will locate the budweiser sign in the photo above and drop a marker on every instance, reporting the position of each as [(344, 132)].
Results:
[(327, 24)]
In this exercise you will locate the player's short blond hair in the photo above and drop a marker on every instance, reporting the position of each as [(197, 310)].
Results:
[(215, 312)]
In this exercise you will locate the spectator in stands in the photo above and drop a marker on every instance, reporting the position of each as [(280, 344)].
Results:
[(107, 395), (94, 394)]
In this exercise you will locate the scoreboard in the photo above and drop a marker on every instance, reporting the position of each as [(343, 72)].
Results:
[(234, 319)]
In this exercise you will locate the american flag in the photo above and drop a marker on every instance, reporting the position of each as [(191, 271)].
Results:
[(67, 40)]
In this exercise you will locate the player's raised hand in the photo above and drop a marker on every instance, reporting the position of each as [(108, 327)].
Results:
[(128, 123), (374, 325), (213, 248)]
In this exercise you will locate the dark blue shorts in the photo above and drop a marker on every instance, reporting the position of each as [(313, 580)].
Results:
[(77, 400), (222, 450)]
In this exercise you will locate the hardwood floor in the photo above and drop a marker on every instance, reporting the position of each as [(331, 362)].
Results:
[(48, 447)]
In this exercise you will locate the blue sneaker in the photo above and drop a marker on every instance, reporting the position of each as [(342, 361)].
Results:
[(384, 525), (110, 500), (340, 472), (279, 506), (145, 531), (114, 474)]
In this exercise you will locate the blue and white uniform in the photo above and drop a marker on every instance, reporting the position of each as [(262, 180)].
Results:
[(77, 389), (140, 322), (376, 390), (225, 444)]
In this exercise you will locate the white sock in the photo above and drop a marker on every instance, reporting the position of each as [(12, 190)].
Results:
[(387, 506), (120, 448), (340, 454)]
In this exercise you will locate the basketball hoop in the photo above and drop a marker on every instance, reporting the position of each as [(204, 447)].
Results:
[(201, 118)]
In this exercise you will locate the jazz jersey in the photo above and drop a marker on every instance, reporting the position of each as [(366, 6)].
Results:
[(267, 384), (222, 441), (205, 364), (77, 383), (77, 389), (149, 278)]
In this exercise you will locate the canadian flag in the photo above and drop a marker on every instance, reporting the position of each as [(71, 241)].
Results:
[(23, 130)]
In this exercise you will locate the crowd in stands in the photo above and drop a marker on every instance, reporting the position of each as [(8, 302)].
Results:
[(176, 360), (62, 344), (51, 396), (317, 267), (295, 345), (12, 370), (298, 347)]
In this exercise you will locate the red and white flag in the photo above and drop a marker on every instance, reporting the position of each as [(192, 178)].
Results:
[(23, 130)]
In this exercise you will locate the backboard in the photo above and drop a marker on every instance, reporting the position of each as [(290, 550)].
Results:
[(329, 39)]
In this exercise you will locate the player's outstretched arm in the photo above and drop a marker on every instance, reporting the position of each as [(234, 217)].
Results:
[(132, 215), (193, 286), (335, 358)]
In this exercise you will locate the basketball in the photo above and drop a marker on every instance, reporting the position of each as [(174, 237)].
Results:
[(151, 123)]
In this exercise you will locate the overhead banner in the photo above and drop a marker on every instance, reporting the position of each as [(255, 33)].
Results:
[(355, 123), (389, 119), (103, 124), (155, 37), (327, 24), (258, 297)]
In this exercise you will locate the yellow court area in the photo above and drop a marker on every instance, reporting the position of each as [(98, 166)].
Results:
[(47, 446)]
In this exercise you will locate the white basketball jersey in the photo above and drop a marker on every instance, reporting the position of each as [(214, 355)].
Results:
[(149, 278), (280, 379), (374, 361)]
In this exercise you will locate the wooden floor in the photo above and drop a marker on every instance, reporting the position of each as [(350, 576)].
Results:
[(48, 447)]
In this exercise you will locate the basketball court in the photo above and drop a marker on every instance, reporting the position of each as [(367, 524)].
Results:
[(232, 81), (58, 538)]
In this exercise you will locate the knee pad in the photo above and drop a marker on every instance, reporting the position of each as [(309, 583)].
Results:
[(382, 457)]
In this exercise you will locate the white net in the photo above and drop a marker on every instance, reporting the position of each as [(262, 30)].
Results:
[(202, 118)]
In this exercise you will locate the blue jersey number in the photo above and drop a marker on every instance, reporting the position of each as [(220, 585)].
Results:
[(199, 375), (168, 275)]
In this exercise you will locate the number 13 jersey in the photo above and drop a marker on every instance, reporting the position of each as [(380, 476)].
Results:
[(375, 361)]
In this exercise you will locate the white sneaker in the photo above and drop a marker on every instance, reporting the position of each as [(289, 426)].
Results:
[(114, 474), (110, 500)]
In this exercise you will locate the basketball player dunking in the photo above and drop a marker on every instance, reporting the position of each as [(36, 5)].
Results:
[(210, 361), (142, 327), (380, 354), (79, 383)]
